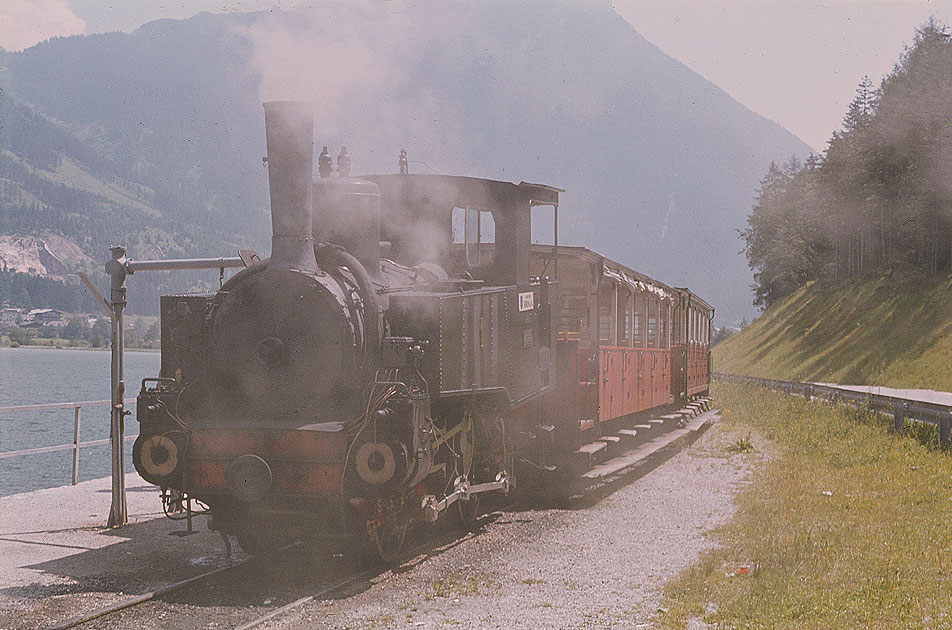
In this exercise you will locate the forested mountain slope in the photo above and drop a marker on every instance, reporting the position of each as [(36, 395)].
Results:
[(880, 196), (660, 166), (63, 203), (892, 330)]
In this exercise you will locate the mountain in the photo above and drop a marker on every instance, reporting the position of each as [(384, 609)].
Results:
[(63, 203), (660, 166)]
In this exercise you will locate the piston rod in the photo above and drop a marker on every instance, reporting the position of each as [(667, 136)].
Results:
[(431, 507)]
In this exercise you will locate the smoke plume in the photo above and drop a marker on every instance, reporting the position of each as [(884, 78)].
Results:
[(357, 62)]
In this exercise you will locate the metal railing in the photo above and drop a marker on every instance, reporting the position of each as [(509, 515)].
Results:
[(77, 408), (902, 409)]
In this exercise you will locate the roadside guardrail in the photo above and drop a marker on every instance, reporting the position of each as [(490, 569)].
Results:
[(901, 409), (77, 408)]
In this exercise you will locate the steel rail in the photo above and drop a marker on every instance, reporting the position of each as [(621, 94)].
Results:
[(408, 552), (902, 409), (151, 595), (139, 599), (164, 590)]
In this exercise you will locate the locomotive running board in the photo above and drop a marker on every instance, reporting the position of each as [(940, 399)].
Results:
[(619, 466)]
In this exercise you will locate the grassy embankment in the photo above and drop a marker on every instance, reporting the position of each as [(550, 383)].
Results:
[(845, 526), (884, 331)]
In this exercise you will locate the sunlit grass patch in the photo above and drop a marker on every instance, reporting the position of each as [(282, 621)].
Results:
[(741, 445), (456, 585), (846, 526)]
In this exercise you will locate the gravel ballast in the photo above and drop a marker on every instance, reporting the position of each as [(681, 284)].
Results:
[(602, 566)]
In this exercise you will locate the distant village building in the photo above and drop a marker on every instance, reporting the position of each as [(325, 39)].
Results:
[(10, 316), (45, 316)]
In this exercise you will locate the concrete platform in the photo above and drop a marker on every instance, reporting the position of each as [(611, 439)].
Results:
[(57, 555)]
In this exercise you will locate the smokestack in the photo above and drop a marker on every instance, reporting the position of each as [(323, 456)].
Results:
[(289, 128)]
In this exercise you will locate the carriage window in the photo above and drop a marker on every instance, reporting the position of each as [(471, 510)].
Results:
[(652, 323), (624, 317), (471, 235), (487, 227), (574, 316), (663, 329), (606, 304), (675, 325), (638, 334), (459, 226)]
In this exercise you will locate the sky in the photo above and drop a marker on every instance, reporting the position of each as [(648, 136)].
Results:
[(795, 62)]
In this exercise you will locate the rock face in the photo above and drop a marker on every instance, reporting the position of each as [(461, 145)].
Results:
[(50, 255)]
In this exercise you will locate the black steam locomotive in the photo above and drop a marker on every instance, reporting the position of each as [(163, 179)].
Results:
[(386, 365)]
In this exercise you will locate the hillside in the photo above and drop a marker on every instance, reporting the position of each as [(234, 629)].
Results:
[(63, 203), (887, 330), (653, 156)]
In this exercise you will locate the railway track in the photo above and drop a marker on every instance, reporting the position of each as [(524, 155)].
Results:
[(251, 592)]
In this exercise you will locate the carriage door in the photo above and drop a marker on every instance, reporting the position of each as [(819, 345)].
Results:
[(644, 393), (606, 356)]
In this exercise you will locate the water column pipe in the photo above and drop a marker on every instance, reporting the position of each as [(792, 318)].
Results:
[(118, 267), (117, 303)]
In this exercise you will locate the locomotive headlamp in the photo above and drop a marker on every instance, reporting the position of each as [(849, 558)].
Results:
[(249, 477), (159, 456), (375, 463)]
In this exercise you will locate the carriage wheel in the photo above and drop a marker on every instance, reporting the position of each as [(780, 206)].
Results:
[(389, 537), (255, 539), (465, 447)]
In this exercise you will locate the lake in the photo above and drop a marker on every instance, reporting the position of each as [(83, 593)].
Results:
[(45, 375)]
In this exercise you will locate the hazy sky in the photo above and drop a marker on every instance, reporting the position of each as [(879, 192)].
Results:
[(795, 62)]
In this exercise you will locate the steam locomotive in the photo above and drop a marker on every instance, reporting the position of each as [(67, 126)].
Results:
[(403, 352)]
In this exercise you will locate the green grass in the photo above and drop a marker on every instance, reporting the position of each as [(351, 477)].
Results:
[(845, 526), (884, 331), (455, 585), (54, 342)]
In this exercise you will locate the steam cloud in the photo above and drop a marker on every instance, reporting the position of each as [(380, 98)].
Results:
[(356, 63)]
